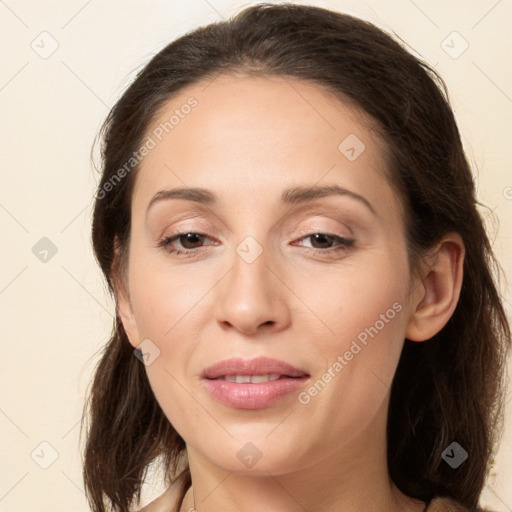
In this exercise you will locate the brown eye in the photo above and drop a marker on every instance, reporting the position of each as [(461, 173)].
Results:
[(322, 240), (325, 242), (189, 240)]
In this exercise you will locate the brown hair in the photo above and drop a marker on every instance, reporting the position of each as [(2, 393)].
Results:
[(447, 389)]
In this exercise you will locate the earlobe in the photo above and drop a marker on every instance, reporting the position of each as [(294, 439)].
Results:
[(439, 291), (124, 308)]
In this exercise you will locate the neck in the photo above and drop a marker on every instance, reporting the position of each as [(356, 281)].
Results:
[(354, 477)]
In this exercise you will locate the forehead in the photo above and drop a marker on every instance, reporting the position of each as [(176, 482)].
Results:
[(243, 136)]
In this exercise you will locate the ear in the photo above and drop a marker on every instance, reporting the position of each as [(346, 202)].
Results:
[(124, 308), (438, 292)]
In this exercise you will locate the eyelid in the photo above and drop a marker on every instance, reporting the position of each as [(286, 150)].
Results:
[(328, 231)]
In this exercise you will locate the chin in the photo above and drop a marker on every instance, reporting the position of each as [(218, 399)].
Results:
[(255, 457)]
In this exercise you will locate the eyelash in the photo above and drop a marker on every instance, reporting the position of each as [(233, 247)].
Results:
[(345, 243)]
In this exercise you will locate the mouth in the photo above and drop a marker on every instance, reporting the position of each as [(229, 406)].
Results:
[(254, 379), (252, 384), (273, 369)]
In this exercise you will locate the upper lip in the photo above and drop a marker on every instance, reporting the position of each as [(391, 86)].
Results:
[(256, 366)]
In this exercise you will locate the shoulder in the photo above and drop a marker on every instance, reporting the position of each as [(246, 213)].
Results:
[(168, 501), (448, 505)]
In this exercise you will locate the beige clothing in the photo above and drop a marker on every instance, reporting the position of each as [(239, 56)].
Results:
[(168, 501), (448, 505)]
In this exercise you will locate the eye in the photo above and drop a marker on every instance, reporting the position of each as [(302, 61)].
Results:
[(188, 240), (325, 240)]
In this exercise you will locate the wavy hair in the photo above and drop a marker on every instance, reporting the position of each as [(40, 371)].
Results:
[(447, 389)]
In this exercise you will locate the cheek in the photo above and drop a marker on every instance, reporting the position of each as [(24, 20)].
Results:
[(352, 296), (363, 319), (168, 310), (355, 366), (165, 299), (367, 335)]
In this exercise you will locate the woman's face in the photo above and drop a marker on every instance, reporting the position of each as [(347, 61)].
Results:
[(282, 268)]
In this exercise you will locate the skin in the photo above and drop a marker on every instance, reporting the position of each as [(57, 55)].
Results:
[(247, 141)]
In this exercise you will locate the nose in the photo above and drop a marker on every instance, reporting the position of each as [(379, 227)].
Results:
[(252, 297)]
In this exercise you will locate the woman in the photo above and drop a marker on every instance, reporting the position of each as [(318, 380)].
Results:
[(307, 317)]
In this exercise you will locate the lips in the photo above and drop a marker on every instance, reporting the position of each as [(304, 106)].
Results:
[(252, 367), (252, 384)]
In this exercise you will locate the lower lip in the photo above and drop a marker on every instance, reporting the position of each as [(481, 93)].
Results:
[(253, 396)]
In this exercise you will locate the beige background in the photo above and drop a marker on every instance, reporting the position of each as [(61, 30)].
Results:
[(56, 315)]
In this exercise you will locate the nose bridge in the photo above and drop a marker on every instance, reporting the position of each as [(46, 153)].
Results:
[(251, 295), (250, 280)]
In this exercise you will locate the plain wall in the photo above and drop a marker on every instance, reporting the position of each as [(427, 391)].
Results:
[(55, 313)]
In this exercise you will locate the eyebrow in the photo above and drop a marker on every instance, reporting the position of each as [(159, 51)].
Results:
[(291, 196)]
